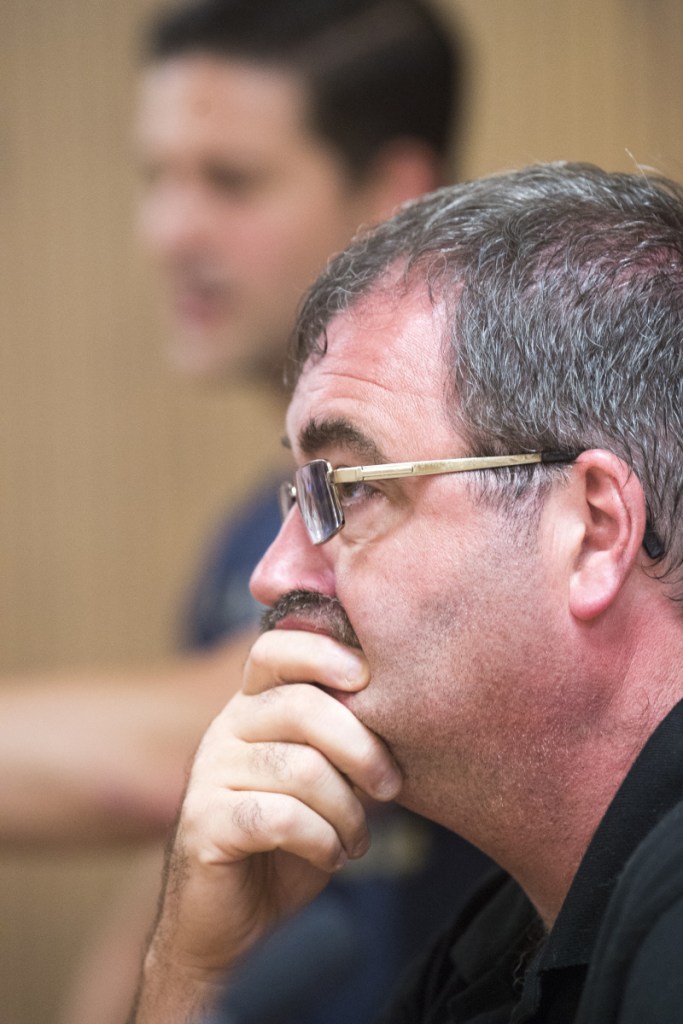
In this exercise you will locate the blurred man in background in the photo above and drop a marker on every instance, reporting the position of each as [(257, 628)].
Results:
[(266, 135)]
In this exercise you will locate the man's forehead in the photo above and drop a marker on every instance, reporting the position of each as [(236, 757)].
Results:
[(384, 358), (389, 340), (204, 90)]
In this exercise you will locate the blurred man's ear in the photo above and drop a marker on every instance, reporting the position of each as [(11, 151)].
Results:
[(605, 505), (402, 170)]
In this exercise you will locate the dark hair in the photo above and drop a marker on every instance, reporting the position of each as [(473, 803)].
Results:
[(376, 70), (562, 286)]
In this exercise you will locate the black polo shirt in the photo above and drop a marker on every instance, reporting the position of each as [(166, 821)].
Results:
[(615, 953)]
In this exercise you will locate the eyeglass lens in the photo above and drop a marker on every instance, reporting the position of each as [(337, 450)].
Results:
[(317, 501)]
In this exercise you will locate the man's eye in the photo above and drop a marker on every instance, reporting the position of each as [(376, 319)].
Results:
[(354, 493), (233, 181)]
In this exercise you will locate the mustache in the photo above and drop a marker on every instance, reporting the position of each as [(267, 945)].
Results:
[(326, 614)]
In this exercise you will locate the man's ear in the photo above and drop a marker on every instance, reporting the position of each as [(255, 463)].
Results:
[(607, 499), (403, 169)]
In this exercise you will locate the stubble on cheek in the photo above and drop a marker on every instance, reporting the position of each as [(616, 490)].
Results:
[(426, 700)]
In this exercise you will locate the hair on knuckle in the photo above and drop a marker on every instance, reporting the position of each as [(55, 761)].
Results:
[(247, 816)]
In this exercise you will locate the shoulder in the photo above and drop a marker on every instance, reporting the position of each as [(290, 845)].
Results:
[(653, 989), (635, 973)]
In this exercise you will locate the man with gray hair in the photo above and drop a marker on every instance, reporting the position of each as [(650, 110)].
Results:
[(475, 609)]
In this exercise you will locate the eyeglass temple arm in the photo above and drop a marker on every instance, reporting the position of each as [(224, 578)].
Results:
[(351, 474), (651, 542)]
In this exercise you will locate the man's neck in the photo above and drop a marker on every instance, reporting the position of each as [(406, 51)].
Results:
[(574, 810)]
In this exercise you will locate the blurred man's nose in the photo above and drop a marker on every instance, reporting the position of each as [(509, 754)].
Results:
[(174, 220), (292, 562)]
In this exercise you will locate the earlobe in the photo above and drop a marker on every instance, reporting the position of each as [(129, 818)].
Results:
[(608, 498)]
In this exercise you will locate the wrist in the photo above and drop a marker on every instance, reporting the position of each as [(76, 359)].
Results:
[(175, 991)]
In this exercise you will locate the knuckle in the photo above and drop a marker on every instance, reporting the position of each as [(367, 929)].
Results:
[(247, 816), (271, 759), (283, 821), (313, 769), (268, 697)]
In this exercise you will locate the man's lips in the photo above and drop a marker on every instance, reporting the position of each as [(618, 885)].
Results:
[(314, 612), (200, 305), (304, 625)]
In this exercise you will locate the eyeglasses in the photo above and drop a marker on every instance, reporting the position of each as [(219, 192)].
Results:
[(316, 486)]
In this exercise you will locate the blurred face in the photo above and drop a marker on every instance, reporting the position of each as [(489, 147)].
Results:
[(241, 207), (446, 597)]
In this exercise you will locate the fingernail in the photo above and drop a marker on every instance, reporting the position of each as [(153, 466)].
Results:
[(362, 846), (389, 787), (354, 669), (341, 861)]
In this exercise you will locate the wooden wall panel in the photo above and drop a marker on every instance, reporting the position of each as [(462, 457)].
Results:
[(581, 81), (111, 470)]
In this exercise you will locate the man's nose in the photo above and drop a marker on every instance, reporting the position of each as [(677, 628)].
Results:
[(174, 221), (292, 562)]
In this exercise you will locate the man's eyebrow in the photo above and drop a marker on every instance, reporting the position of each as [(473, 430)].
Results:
[(318, 435)]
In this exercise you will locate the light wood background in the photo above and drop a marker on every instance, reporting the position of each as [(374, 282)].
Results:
[(112, 470)]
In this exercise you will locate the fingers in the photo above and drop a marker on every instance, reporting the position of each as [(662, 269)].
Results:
[(271, 810), (255, 789), (252, 823), (281, 768), (304, 714), (304, 774), (287, 656)]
